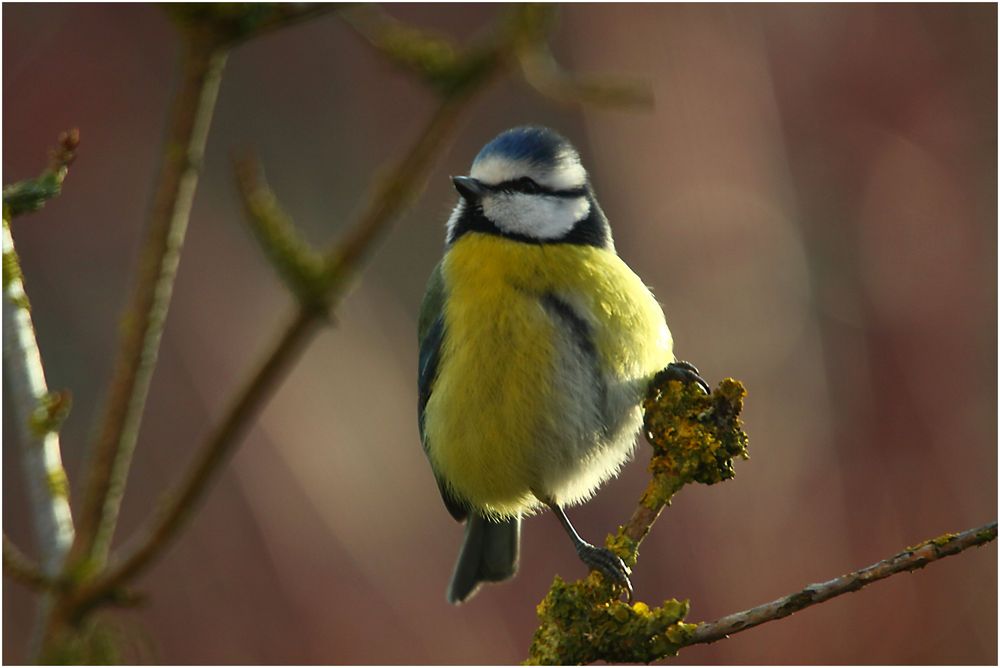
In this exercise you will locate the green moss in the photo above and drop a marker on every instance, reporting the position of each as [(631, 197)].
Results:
[(50, 412), (30, 195), (11, 269), (58, 483), (986, 535), (582, 622)]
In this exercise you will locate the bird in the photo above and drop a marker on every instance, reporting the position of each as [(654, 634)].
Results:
[(536, 345)]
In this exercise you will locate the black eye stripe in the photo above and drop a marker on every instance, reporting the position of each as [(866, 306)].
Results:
[(528, 186)]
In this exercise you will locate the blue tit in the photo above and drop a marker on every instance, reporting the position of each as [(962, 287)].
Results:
[(537, 343)]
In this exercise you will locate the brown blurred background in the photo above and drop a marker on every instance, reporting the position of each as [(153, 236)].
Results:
[(813, 200)]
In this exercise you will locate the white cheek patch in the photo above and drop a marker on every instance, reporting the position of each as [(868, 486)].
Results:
[(535, 216), (567, 174)]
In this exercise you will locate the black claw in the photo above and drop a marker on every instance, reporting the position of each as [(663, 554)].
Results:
[(608, 563), (684, 372)]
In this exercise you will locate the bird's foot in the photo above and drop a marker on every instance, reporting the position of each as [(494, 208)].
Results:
[(608, 564), (684, 372)]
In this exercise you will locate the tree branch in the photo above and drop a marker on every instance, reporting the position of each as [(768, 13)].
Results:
[(143, 322), (695, 439), (37, 413), (209, 30), (393, 194), (456, 81), (910, 559), (300, 267), (545, 75), (17, 566)]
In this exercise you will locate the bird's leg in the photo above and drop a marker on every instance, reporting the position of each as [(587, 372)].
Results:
[(684, 372), (596, 558)]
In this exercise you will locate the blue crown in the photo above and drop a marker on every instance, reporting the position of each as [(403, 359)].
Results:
[(530, 143)]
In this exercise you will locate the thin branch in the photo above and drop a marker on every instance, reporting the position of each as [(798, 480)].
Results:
[(17, 566), (395, 192), (37, 412), (178, 505), (542, 72), (143, 324), (437, 60), (30, 195), (210, 30), (233, 23), (297, 264), (910, 559)]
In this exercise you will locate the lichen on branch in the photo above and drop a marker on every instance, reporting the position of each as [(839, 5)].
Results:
[(583, 622), (31, 194), (694, 439)]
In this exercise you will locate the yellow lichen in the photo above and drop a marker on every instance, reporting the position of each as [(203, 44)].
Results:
[(694, 438), (581, 623)]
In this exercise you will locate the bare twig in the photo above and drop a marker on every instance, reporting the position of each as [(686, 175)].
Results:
[(909, 559), (210, 31), (142, 327), (299, 266), (179, 504), (18, 566), (233, 23), (542, 72), (401, 185), (398, 189)]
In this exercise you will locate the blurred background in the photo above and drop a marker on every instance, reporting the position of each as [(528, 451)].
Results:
[(813, 200)]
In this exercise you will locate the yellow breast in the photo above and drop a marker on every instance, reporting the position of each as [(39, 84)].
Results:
[(496, 391)]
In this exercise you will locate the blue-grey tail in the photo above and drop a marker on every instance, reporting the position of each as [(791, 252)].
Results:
[(489, 554)]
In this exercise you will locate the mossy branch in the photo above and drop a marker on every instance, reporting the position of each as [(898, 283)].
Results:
[(37, 412), (30, 195), (695, 439)]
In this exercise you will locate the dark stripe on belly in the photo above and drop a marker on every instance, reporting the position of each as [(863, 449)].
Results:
[(582, 335)]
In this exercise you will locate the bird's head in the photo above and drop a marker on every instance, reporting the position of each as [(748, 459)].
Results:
[(528, 185)]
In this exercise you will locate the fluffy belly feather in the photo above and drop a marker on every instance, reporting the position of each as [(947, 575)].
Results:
[(528, 400)]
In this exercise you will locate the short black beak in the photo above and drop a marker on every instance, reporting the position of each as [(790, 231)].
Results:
[(469, 188)]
